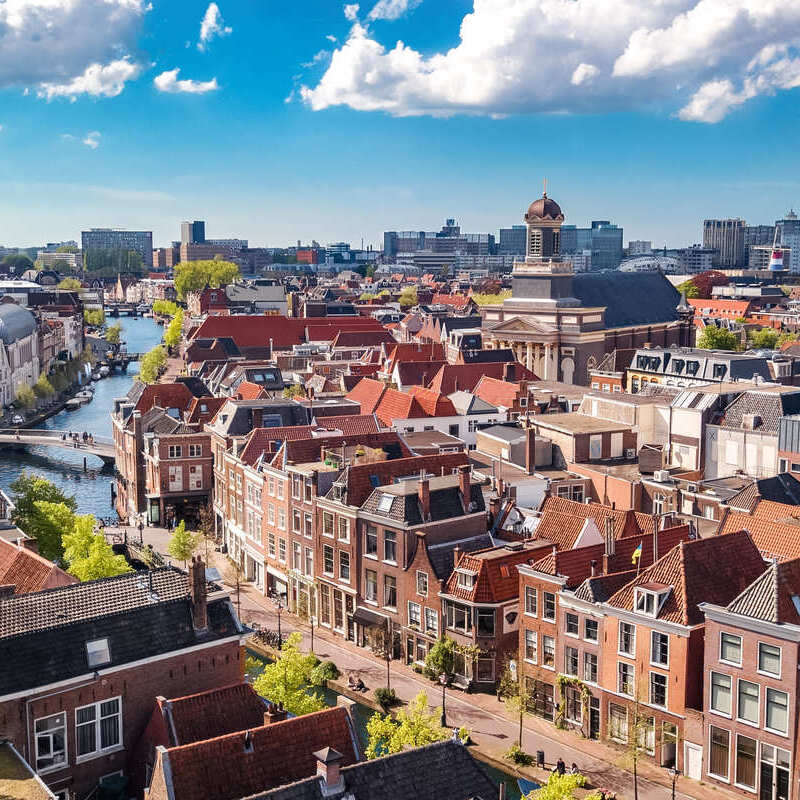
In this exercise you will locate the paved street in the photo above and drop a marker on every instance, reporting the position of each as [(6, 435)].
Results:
[(482, 714)]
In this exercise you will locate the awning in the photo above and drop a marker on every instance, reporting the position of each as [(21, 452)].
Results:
[(368, 618)]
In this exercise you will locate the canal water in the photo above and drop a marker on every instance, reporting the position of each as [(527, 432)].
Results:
[(92, 488)]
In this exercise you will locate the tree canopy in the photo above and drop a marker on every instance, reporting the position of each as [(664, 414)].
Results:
[(28, 489), (559, 787), (43, 387), (172, 336), (70, 284), (94, 317), (193, 276), (689, 289), (151, 364), (113, 333), (286, 680), (764, 338), (408, 297), (25, 396), (165, 308), (413, 726), (17, 262), (714, 338), (183, 543)]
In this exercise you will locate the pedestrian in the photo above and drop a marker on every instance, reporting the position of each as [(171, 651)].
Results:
[(561, 767), (574, 769)]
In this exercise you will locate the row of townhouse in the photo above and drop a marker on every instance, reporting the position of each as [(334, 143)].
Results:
[(692, 653)]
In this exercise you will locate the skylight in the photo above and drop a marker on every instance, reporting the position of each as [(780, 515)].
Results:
[(385, 503), (97, 652)]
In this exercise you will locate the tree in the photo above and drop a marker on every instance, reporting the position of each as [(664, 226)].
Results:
[(785, 338), (28, 490), (43, 388), (151, 364), (367, 296), (413, 726), (370, 271), (286, 680), (67, 248), (559, 787), (183, 543), (518, 705), (16, 263), (491, 299), (172, 336), (408, 297), (441, 658), (764, 338), (689, 289), (295, 390), (194, 276), (714, 338), (113, 333), (706, 281), (165, 308), (88, 554), (70, 284), (25, 396), (94, 317)]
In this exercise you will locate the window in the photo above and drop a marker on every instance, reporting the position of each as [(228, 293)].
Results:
[(548, 651), (573, 710), (176, 451), (530, 646), (327, 559), (466, 580), (279, 490), (647, 602), (344, 529), (309, 562), (646, 734), (271, 544), (271, 487), (549, 610), (459, 617), (720, 700), (195, 450), (325, 604), (282, 518), (422, 583), (282, 550), (390, 591), (720, 753), (777, 712), (769, 659), (297, 487), (659, 649), (51, 742), (590, 667), (371, 586), (389, 546), (97, 652), (344, 565), (485, 621), (485, 670), (748, 702), (414, 614), (531, 597), (297, 521), (98, 727), (571, 624), (625, 678), (730, 649), (327, 523), (746, 762), (270, 514), (617, 723), (658, 689), (385, 503), (570, 661), (297, 556), (309, 529), (627, 638), (590, 630), (371, 541), (432, 621)]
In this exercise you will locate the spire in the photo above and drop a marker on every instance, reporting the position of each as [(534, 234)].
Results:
[(683, 307), (544, 187)]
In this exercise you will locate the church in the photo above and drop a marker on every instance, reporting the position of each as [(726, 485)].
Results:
[(561, 324)]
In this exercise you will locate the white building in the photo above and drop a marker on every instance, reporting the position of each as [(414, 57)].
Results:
[(19, 350)]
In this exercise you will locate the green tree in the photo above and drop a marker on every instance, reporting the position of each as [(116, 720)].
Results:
[(193, 276), (25, 396), (88, 555), (70, 284), (286, 680), (764, 338), (165, 308), (714, 338), (559, 787), (367, 296), (413, 726), (786, 337), (113, 333), (441, 658), (29, 489), (43, 388), (16, 263), (408, 297), (67, 248), (370, 271), (183, 543), (491, 299), (295, 390), (94, 317), (689, 289), (518, 705), (151, 364), (172, 336)]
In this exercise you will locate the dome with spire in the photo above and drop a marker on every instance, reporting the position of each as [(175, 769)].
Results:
[(544, 209)]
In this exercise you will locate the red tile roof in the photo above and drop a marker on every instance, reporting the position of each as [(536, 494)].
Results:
[(27, 571), (454, 300), (434, 404), (413, 351), (775, 538), (349, 424), (464, 377), (228, 767), (498, 392), (365, 338), (211, 405), (254, 331), (268, 440), (416, 373), (302, 451), (713, 570), (247, 390), (368, 393), (626, 523), (165, 395)]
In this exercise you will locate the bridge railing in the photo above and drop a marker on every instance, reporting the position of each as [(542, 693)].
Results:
[(31, 433)]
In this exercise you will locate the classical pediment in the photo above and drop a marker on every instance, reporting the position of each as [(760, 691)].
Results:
[(520, 325)]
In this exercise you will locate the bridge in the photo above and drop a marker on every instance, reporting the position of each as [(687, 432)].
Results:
[(113, 309), (100, 447)]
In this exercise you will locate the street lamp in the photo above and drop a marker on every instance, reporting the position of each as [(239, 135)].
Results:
[(278, 600), (673, 773), (443, 681)]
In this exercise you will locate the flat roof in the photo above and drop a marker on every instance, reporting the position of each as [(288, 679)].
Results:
[(575, 422)]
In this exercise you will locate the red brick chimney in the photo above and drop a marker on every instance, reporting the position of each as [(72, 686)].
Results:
[(197, 591), (329, 763), (424, 492), (464, 485), (274, 714)]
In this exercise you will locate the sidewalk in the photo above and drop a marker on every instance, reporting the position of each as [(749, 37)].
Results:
[(492, 731)]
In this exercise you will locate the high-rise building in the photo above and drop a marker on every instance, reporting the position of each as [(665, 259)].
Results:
[(193, 232), (727, 236), (639, 247), (789, 236), (115, 240), (696, 259), (602, 239), (449, 239), (757, 235), (512, 241)]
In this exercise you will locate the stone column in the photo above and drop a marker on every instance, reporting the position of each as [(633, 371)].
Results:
[(529, 355), (548, 367)]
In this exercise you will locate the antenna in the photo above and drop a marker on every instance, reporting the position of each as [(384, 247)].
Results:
[(544, 187)]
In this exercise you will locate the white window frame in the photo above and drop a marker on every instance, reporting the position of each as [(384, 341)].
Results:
[(708, 768), (741, 719), (666, 690), (712, 710), (722, 635), (531, 591), (663, 665), (620, 651), (767, 691), (174, 451), (99, 751), (63, 728), (760, 671), (535, 658), (418, 607), (545, 615), (422, 574)]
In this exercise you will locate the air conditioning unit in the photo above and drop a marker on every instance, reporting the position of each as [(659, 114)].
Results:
[(630, 452), (661, 475)]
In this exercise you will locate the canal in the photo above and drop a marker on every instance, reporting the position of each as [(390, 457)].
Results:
[(92, 488)]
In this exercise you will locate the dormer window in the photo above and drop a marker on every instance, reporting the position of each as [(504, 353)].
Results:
[(385, 503), (98, 653), (649, 600), (465, 578)]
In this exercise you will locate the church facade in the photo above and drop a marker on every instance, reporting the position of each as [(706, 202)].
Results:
[(561, 324)]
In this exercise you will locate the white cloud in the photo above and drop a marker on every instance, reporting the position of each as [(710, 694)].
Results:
[(168, 82), (97, 80), (322, 55), (212, 25), (52, 41), (392, 9), (92, 140), (703, 57), (331, 38), (351, 11)]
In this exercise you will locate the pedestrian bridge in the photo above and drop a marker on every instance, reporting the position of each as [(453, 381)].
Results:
[(100, 446)]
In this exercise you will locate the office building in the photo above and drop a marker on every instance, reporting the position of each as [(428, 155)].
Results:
[(603, 240), (727, 236), (789, 237), (759, 255), (512, 241), (696, 258), (193, 232), (449, 239), (755, 235), (639, 247), (114, 239), (52, 259)]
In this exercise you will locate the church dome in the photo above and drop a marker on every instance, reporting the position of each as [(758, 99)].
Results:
[(544, 209)]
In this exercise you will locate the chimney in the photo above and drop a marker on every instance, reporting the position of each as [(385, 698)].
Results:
[(197, 591), (329, 763), (655, 538), (424, 492), (456, 555), (274, 714), (464, 485), (611, 543), (494, 506), (593, 566), (510, 371), (530, 450)]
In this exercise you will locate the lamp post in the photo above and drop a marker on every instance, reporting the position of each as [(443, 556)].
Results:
[(278, 600), (443, 681), (673, 773)]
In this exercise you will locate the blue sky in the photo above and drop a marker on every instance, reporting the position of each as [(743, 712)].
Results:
[(274, 132)]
